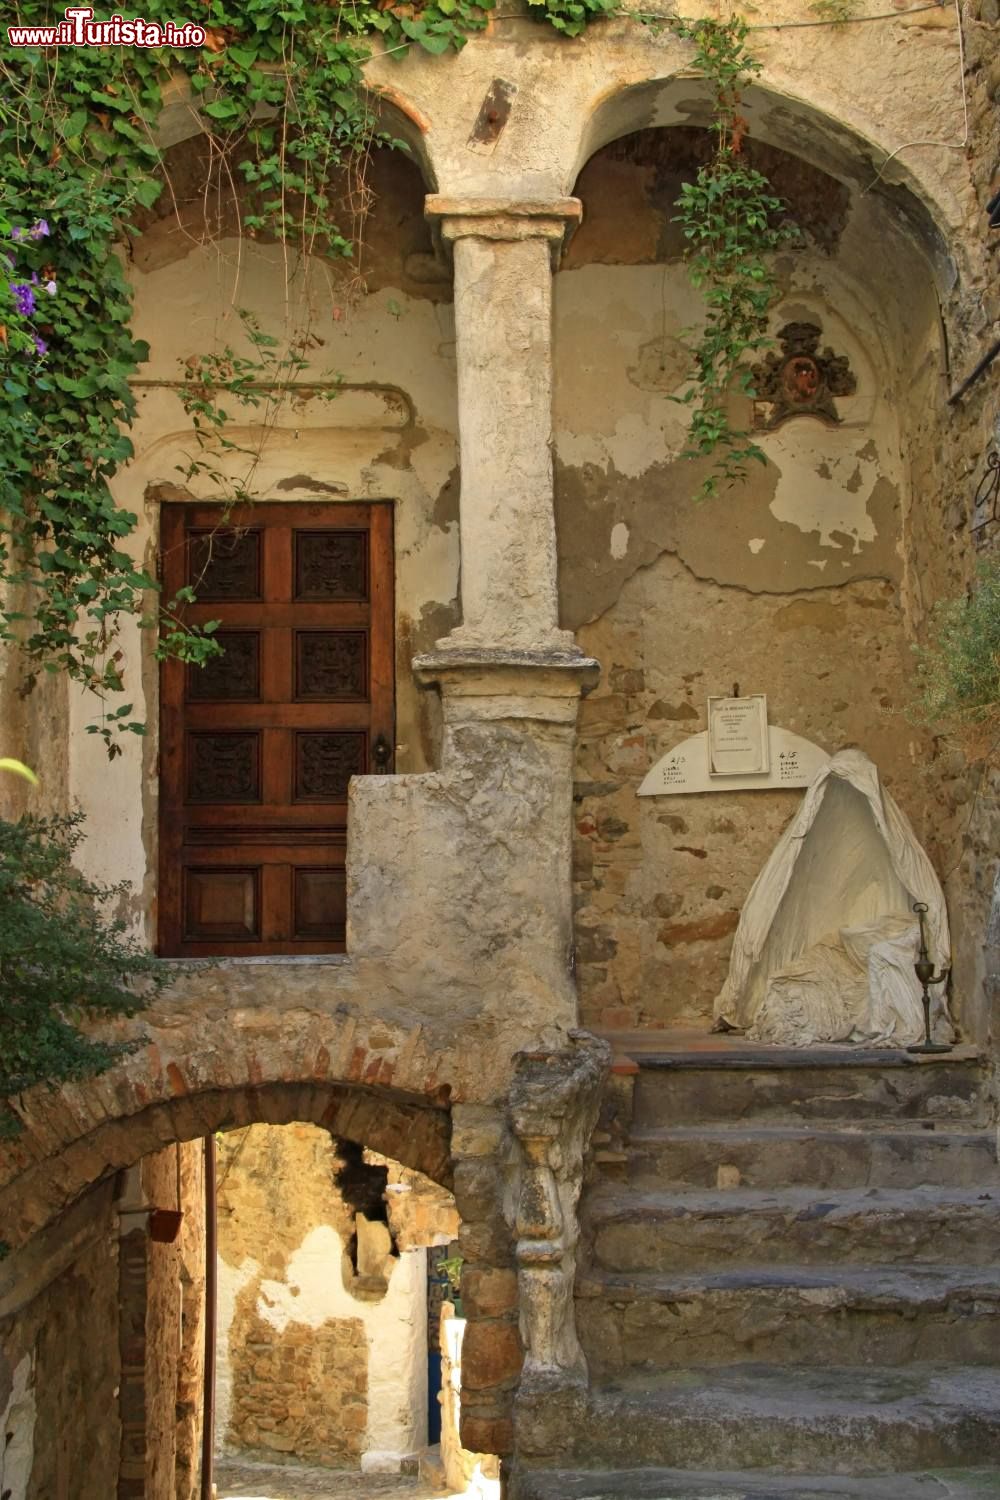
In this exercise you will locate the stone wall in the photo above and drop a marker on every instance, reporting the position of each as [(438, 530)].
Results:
[(59, 1368), (190, 1381), (101, 1344), (322, 1348), (161, 1326), (459, 872), (476, 1475), (951, 452)]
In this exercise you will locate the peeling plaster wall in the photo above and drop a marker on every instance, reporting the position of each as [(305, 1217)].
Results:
[(316, 1359), (794, 583)]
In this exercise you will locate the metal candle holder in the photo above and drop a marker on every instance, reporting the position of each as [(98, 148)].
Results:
[(927, 976)]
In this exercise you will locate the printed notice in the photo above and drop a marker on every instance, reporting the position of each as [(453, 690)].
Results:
[(737, 736)]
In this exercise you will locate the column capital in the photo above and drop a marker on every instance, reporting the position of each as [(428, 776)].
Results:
[(502, 684), (552, 219)]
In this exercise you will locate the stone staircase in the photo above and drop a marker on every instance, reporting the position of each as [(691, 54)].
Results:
[(790, 1282)]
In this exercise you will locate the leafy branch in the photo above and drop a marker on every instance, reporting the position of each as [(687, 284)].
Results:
[(63, 961), (959, 667), (733, 223)]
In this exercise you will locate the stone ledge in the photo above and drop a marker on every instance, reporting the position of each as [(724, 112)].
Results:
[(294, 960), (517, 683)]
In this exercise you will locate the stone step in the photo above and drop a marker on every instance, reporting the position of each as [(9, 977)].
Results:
[(782, 1085), (677, 1484), (839, 1420), (868, 1315), (629, 1230), (707, 1156)]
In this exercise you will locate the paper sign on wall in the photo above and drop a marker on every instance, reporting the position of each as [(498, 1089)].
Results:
[(737, 736)]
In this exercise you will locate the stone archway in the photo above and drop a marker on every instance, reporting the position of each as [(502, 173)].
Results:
[(514, 1163), (368, 1080), (813, 563)]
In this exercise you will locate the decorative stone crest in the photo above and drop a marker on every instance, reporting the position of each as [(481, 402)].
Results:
[(800, 381)]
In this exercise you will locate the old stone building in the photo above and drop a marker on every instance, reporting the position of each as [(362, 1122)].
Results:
[(475, 602)]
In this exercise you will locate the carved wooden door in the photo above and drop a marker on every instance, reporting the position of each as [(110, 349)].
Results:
[(257, 747)]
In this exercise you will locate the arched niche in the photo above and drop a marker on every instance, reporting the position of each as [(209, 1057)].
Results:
[(395, 116), (843, 151), (797, 582)]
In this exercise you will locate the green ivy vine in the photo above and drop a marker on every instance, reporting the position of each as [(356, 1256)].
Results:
[(280, 87), (733, 223)]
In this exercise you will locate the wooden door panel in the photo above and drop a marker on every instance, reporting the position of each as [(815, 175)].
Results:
[(258, 747)]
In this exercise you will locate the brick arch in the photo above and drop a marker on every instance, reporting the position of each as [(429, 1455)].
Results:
[(367, 1081)]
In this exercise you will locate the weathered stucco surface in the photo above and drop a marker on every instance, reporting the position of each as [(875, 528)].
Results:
[(794, 585)]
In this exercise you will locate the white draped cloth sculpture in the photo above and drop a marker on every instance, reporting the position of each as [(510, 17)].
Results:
[(827, 940)]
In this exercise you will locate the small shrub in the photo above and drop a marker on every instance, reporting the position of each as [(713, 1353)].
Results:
[(959, 668), (63, 960)]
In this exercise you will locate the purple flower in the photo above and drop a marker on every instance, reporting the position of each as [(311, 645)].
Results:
[(39, 230), (17, 234), (51, 288), (41, 347), (24, 298)]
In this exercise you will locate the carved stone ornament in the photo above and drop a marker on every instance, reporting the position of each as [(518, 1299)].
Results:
[(799, 381), (553, 1105)]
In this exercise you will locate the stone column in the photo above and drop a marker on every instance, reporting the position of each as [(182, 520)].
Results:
[(503, 258)]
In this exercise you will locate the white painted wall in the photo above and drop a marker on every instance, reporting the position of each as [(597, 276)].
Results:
[(395, 1328)]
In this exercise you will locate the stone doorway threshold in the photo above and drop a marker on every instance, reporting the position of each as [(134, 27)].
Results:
[(242, 1479)]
